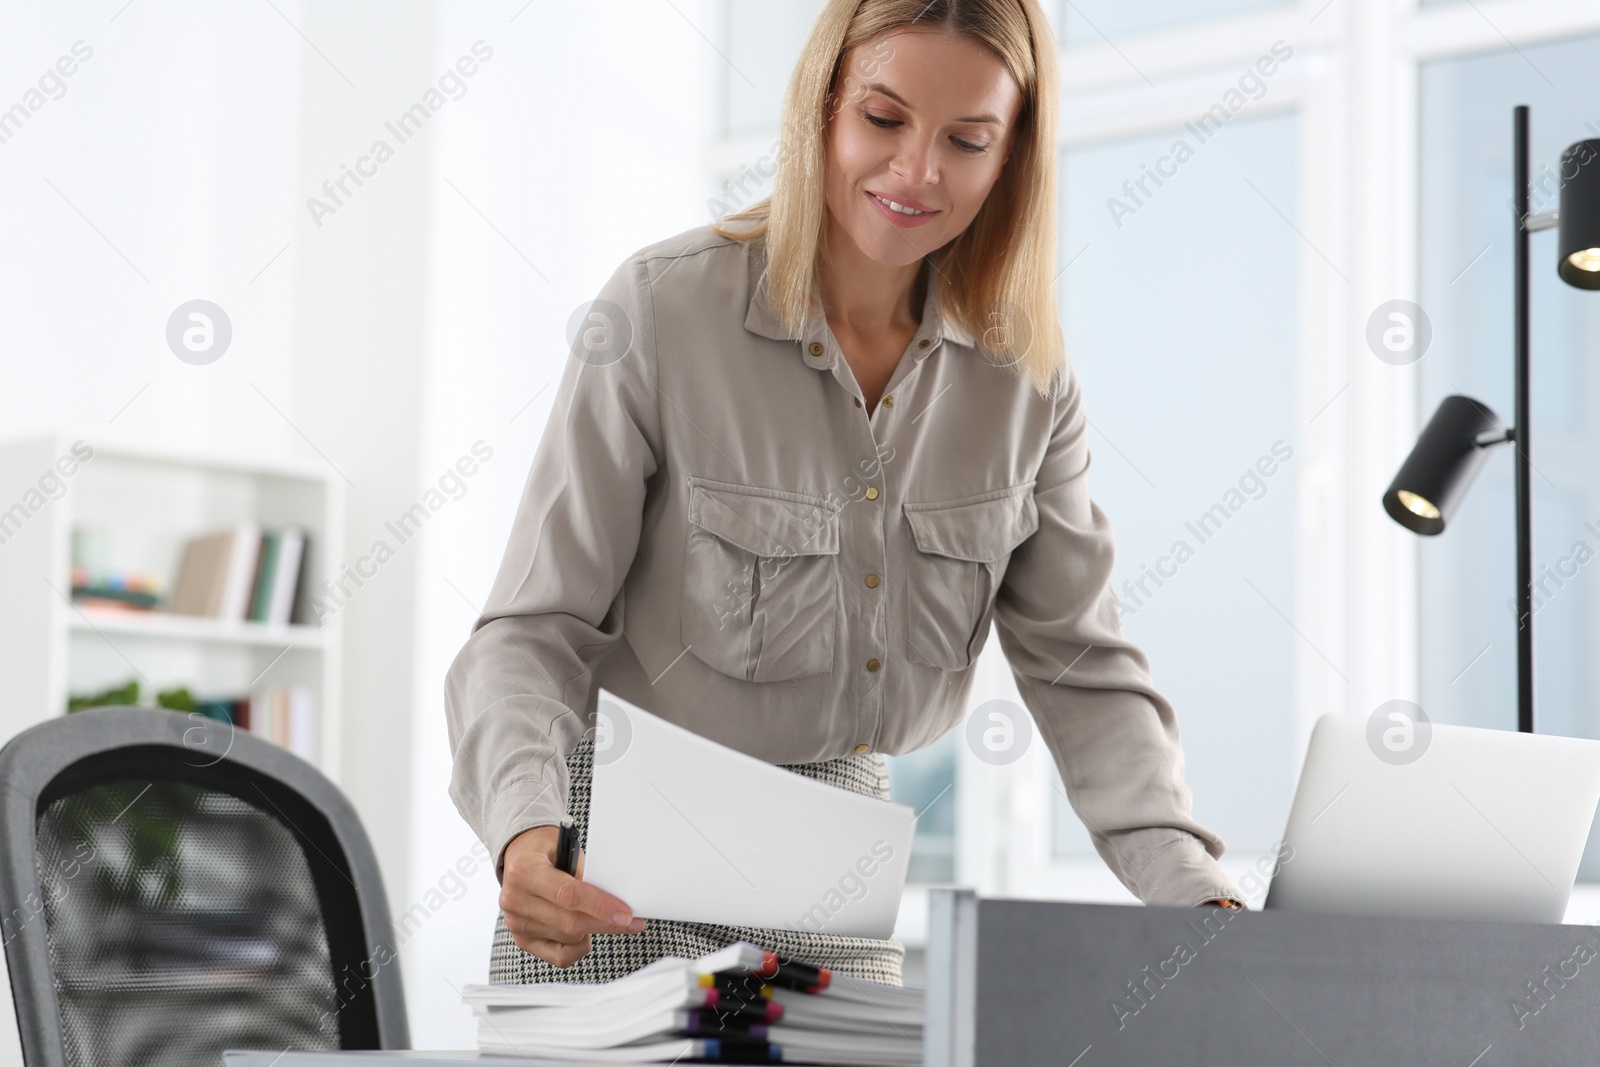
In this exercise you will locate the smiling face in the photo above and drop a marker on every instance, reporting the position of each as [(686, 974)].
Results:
[(923, 118)]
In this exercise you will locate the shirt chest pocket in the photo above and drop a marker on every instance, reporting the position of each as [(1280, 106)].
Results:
[(760, 581), (960, 552)]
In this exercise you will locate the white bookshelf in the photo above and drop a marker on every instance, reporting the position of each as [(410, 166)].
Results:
[(149, 503)]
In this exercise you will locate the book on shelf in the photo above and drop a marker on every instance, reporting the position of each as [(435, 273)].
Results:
[(740, 1004), (247, 574), (235, 710), (266, 568), (115, 592), (285, 715)]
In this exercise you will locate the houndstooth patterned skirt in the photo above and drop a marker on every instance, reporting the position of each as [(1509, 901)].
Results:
[(615, 955)]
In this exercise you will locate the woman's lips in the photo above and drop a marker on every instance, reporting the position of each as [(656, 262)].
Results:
[(899, 219)]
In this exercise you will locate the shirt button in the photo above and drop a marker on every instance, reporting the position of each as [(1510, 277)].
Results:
[(858, 401), (873, 664), (816, 348), (862, 750), (922, 343), (872, 492), (888, 401), (872, 581)]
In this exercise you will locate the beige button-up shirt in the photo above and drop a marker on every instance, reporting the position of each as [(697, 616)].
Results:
[(717, 530)]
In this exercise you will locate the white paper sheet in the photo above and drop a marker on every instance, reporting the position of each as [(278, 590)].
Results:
[(681, 827)]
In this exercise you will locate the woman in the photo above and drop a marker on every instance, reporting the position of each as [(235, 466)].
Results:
[(796, 468)]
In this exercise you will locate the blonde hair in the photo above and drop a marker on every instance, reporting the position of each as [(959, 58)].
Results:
[(1000, 270)]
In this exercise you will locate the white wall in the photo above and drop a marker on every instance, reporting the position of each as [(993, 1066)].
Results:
[(160, 174), (419, 317), (582, 140)]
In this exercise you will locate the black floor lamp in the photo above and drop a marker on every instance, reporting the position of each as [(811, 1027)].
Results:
[(1454, 445)]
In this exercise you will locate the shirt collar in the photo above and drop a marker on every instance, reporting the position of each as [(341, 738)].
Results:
[(818, 347)]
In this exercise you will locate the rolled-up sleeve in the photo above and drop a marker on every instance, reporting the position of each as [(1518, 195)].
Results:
[(515, 693), (1113, 736)]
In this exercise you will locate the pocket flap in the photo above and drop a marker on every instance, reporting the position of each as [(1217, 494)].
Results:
[(981, 529), (768, 522)]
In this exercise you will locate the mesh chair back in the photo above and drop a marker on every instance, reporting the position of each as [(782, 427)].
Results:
[(175, 888)]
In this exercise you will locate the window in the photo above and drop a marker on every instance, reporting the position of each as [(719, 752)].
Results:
[(762, 42), (1180, 318), (925, 780), (1468, 573), (1089, 22)]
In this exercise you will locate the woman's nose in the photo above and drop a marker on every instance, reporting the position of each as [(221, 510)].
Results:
[(915, 163)]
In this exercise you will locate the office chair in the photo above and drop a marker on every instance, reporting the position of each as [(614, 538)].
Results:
[(171, 886)]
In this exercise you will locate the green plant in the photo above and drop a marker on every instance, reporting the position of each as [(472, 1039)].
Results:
[(178, 699), (121, 694)]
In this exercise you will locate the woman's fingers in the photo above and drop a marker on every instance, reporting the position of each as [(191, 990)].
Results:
[(555, 953), (546, 894), (548, 916), (553, 915), (550, 913), (575, 894), (563, 956), (559, 935), (556, 935)]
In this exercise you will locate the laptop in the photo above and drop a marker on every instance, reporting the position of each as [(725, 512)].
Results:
[(1421, 819)]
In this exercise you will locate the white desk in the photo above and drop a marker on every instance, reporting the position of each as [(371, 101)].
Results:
[(233, 1058)]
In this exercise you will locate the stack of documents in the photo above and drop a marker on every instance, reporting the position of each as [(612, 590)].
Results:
[(737, 1005)]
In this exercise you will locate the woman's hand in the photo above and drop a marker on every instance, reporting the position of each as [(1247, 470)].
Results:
[(550, 913)]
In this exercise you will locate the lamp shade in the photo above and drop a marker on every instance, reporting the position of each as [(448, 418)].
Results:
[(1580, 215), (1440, 469)]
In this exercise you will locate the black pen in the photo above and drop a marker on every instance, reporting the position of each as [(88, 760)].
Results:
[(567, 848)]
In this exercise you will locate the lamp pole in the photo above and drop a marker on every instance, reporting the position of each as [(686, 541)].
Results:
[(1519, 435), (1442, 464)]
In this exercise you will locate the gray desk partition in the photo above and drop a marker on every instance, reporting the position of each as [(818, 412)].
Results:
[(1016, 983)]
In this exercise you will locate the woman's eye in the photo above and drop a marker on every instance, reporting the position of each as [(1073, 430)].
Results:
[(884, 124)]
